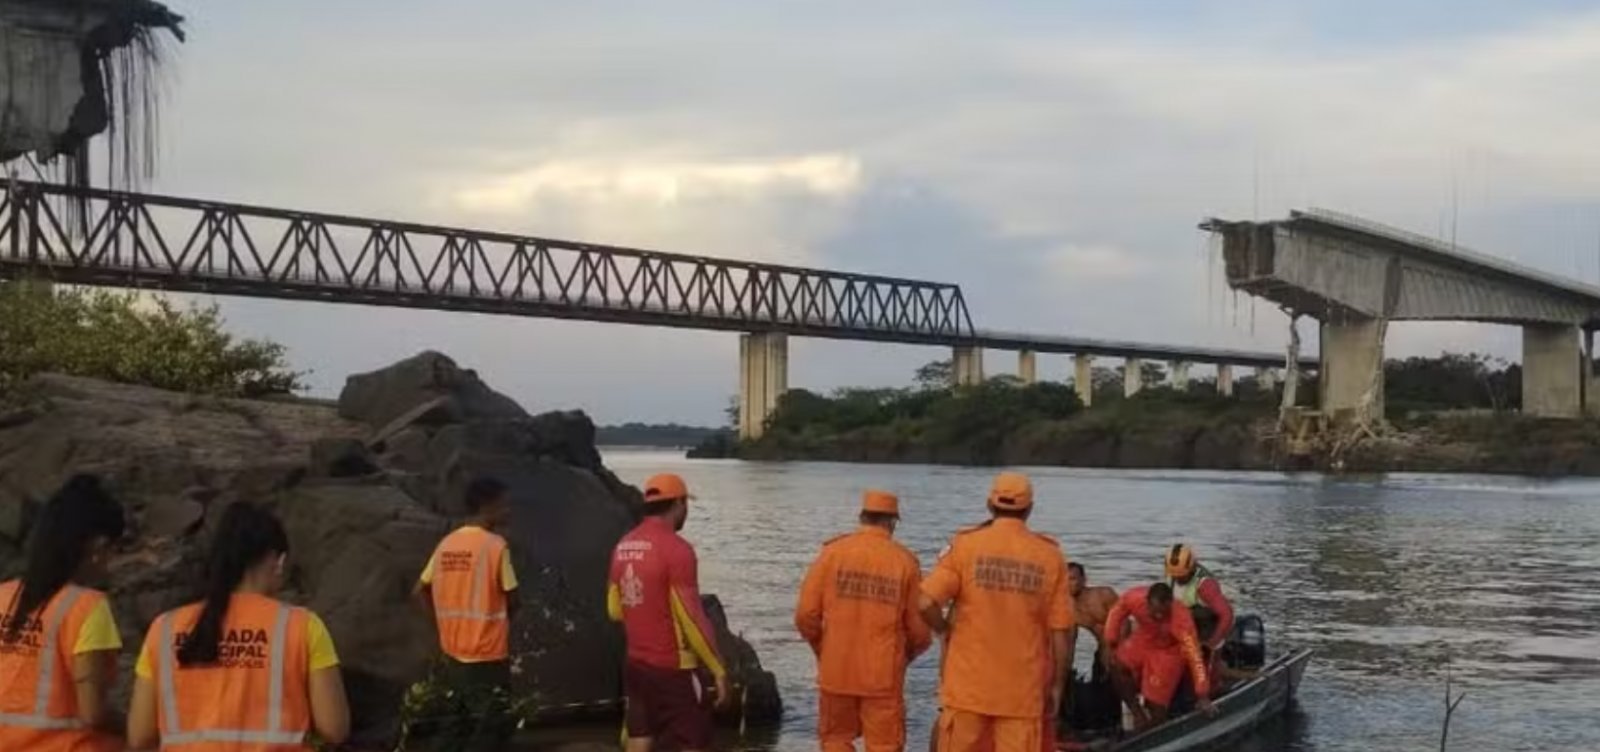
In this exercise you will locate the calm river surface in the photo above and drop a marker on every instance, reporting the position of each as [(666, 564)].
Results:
[(1388, 578)]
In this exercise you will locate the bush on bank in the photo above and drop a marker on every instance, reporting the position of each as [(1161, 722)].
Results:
[(121, 337)]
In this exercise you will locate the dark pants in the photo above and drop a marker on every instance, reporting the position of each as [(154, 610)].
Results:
[(669, 705), (476, 716)]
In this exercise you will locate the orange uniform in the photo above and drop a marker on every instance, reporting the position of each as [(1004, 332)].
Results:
[(1009, 587), (38, 699), (1157, 650), (255, 698), (470, 573), (858, 610)]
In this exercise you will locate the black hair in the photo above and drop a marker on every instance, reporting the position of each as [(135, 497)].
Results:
[(880, 519), (483, 491), (79, 512), (658, 508), (1075, 566), (246, 535), (1160, 592)]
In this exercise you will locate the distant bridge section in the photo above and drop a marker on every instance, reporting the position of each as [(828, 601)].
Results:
[(133, 240), (1355, 276)]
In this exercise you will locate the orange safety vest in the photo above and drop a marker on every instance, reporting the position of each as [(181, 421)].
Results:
[(255, 698), (38, 701), (468, 600)]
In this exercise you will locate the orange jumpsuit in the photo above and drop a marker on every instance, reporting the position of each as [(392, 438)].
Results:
[(1009, 587), (1157, 650), (858, 610)]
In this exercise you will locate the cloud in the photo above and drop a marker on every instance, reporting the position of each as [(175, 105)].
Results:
[(1095, 262)]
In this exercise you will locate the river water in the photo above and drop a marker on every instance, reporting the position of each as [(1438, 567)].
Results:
[(1390, 579)]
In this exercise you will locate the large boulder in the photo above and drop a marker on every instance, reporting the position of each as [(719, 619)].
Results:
[(365, 490)]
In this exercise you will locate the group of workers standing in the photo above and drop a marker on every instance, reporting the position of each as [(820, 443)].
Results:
[(1007, 607), (242, 670)]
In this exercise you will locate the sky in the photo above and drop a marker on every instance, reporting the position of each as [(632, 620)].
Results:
[(1051, 158)]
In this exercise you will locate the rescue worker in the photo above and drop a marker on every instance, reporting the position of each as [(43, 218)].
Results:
[(469, 586), (239, 670), (58, 642), (1010, 638), (654, 591), (1151, 661), (858, 611), (1195, 588)]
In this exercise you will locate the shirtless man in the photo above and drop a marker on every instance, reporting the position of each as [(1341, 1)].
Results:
[(1093, 605)]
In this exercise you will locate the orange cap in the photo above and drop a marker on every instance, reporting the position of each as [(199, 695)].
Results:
[(665, 487), (1011, 491), (881, 502)]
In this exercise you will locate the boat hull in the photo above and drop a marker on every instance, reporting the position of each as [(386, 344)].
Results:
[(1239, 712)]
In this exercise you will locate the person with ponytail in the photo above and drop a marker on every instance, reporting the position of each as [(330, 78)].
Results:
[(58, 642), (239, 671)]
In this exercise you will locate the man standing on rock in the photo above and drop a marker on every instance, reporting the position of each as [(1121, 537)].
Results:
[(470, 587), (654, 591), (1008, 651), (858, 611)]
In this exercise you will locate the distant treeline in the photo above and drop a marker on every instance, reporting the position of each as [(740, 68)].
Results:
[(670, 435)]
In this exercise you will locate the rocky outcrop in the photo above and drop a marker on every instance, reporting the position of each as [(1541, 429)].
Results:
[(365, 490)]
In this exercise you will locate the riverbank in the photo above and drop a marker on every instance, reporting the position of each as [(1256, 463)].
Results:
[(1169, 429)]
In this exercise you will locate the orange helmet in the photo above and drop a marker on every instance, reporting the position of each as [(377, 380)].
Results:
[(1179, 561)]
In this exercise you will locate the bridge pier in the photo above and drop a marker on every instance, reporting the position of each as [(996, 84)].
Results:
[(1552, 369), (1083, 378), (966, 365), (1225, 379), (763, 378), (1132, 376), (1352, 366), (1028, 366), (1180, 375)]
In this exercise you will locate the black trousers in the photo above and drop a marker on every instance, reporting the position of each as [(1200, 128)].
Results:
[(476, 716)]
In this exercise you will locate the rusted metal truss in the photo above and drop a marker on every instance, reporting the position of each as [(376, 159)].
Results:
[(190, 245)]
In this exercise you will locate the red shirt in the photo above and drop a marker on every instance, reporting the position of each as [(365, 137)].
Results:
[(1176, 632), (654, 591)]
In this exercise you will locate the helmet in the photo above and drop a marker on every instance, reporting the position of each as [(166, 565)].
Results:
[(1180, 561)]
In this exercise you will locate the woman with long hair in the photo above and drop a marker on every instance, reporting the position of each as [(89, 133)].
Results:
[(58, 641), (239, 670)]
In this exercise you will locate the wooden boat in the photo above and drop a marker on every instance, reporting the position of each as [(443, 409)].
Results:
[(1239, 711)]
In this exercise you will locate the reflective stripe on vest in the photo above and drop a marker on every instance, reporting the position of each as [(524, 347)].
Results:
[(45, 686), (173, 735), (482, 584)]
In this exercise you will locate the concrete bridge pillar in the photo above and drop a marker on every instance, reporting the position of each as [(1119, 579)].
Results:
[(1028, 366), (1132, 376), (763, 378), (966, 365), (1267, 378), (1352, 366), (1083, 377), (1180, 375), (1552, 366), (1225, 379)]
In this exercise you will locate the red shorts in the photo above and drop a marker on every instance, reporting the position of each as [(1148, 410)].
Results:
[(668, 705), (1158, 668)]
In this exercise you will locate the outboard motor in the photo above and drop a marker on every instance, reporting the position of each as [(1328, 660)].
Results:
[(1246, 647)]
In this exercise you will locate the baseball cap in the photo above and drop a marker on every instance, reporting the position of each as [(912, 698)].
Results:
[(665, 487), (1011, 491), (881, 502)]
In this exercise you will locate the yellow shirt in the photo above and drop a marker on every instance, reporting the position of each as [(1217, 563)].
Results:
[(319, 646), (99, 631), (508, 574)]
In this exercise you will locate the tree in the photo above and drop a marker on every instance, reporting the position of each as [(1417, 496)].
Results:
[(934, 376), (119, 337)]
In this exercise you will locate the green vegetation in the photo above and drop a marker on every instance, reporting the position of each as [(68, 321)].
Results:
[(669, 436), (121, 337)]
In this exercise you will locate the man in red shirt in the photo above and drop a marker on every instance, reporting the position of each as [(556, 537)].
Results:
[(1151, 661), (654, 591), (1196, 588)]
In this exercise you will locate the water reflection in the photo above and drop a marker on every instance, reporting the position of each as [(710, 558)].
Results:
[(1389, 579)]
